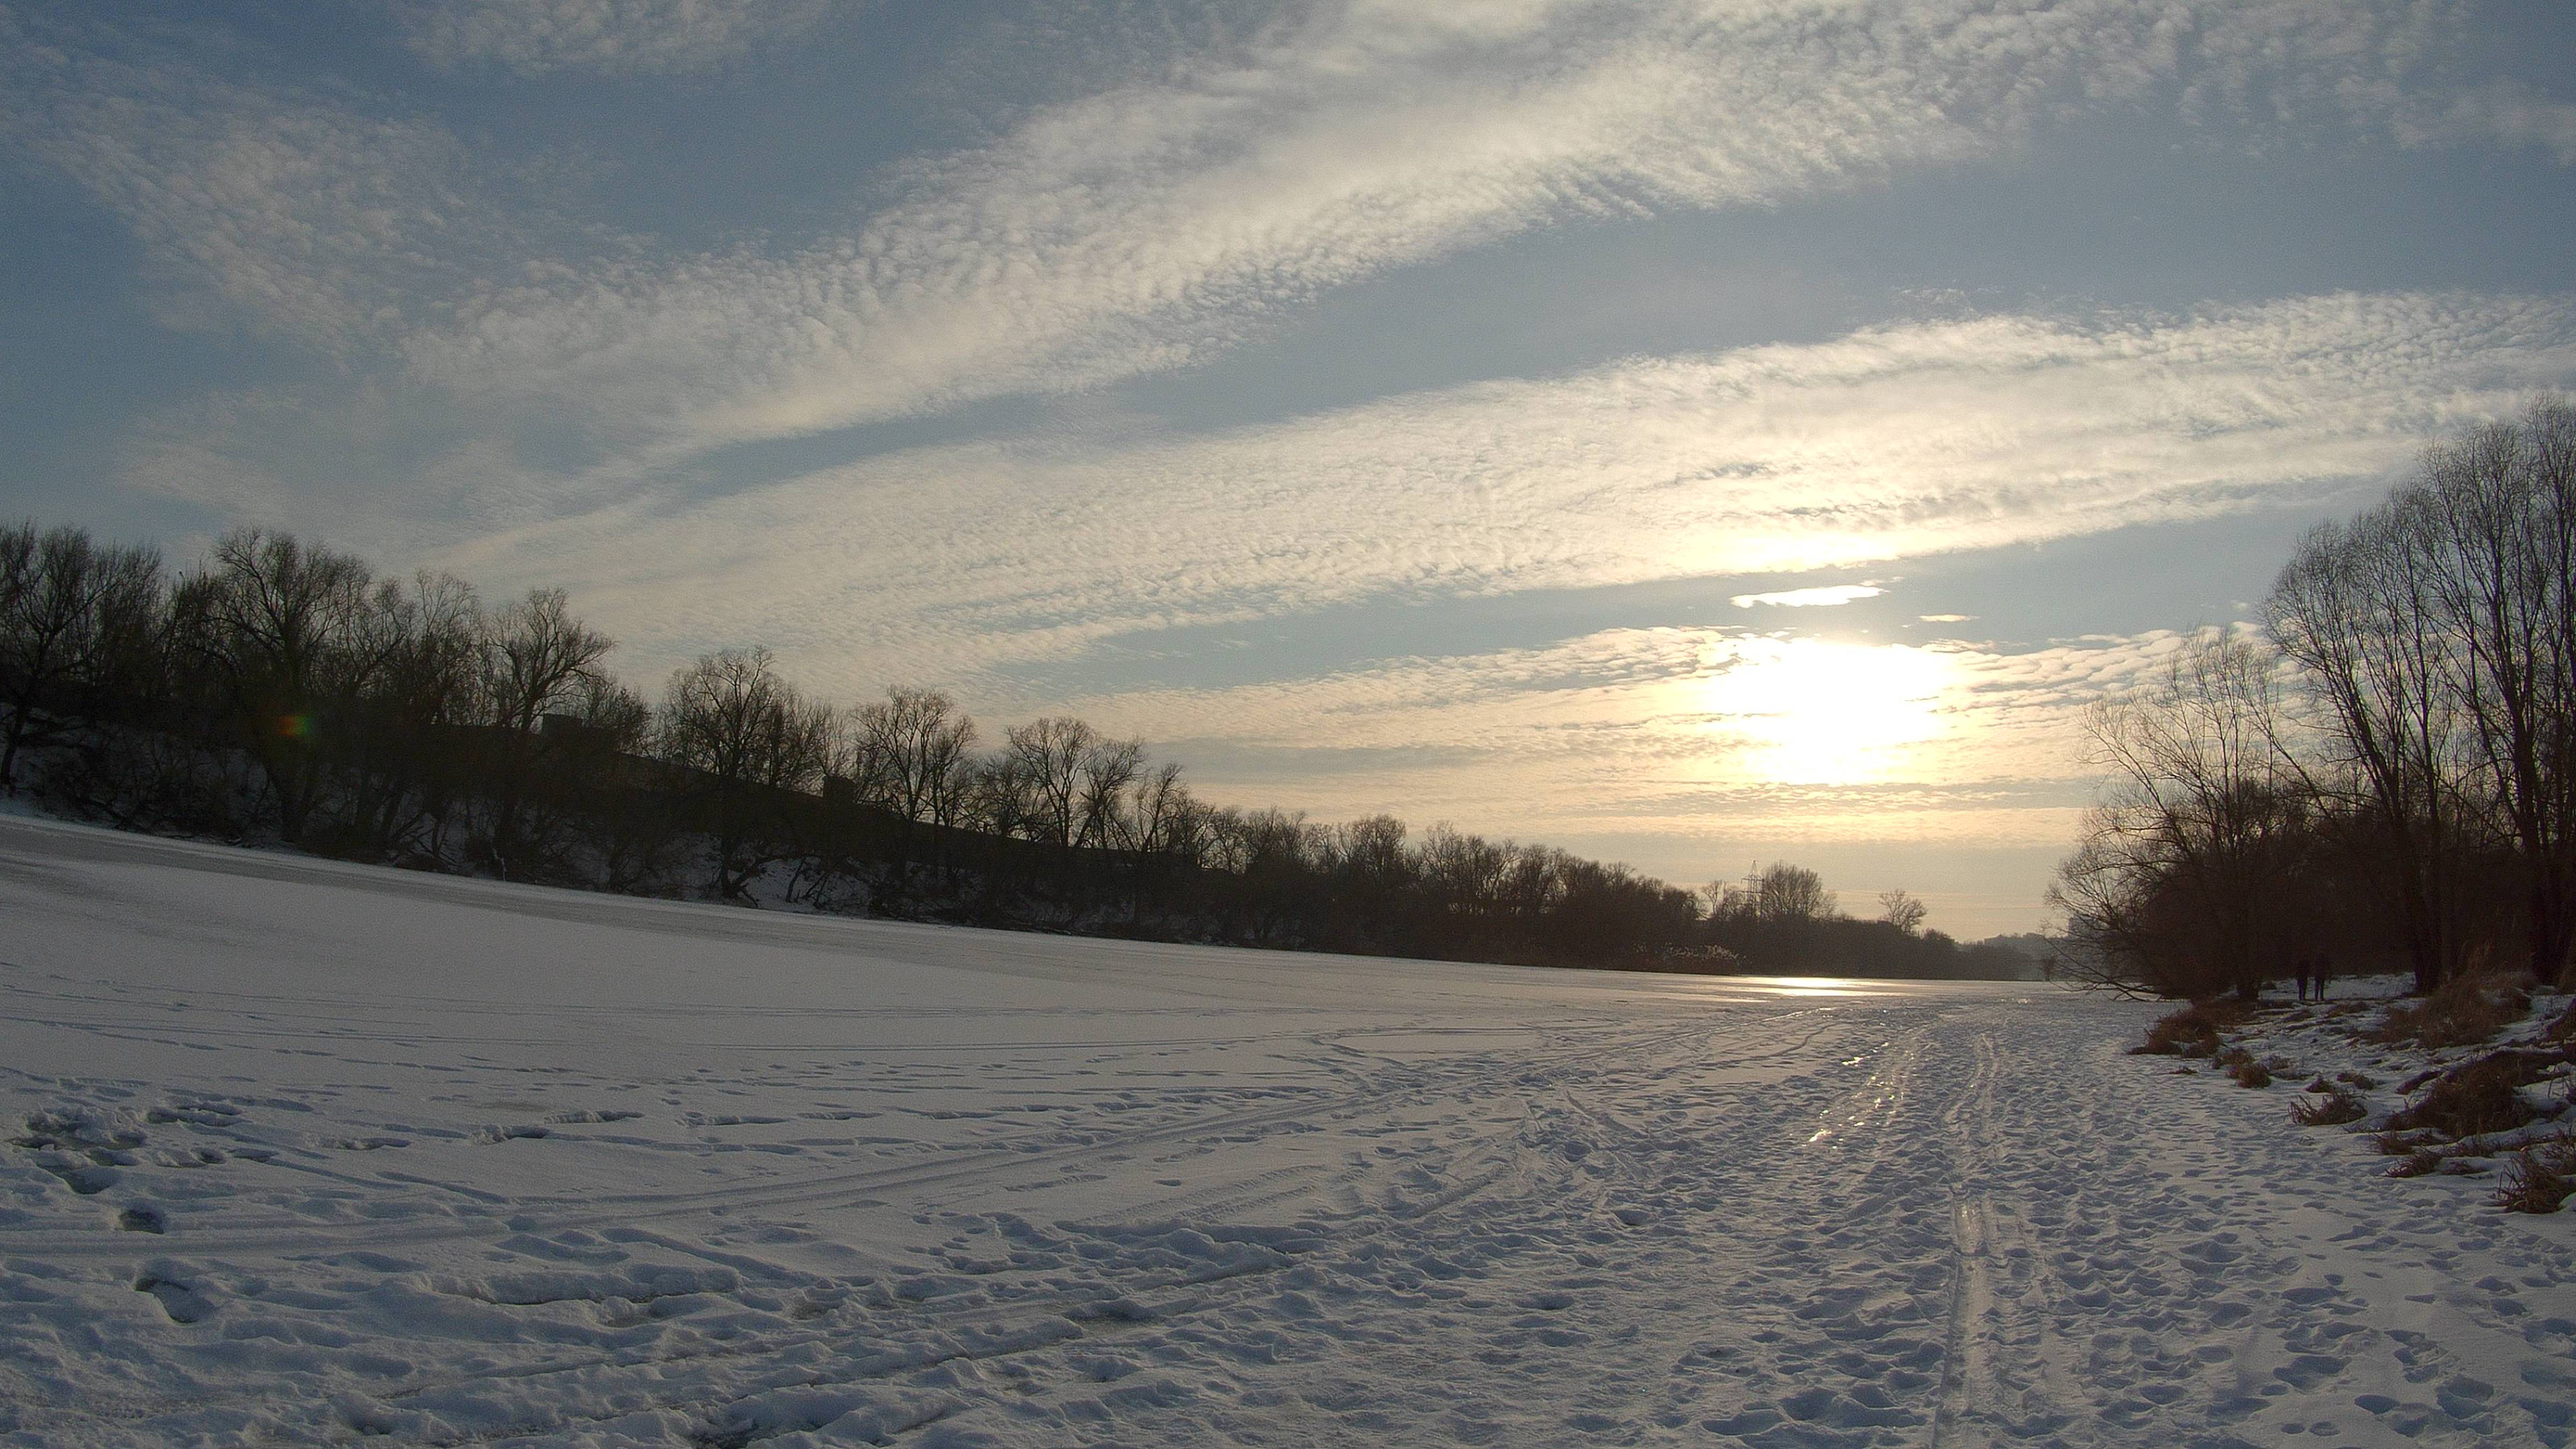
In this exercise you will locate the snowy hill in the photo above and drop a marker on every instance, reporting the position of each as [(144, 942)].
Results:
[(305, 1152)]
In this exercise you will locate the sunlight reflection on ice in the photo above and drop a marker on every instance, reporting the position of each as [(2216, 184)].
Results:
[(1818, 986)]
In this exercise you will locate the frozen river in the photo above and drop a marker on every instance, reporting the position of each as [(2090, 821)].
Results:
[(306, 1151)]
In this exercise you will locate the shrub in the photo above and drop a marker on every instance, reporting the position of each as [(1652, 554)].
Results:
[(2251, 1073), (2476, 1098), (2194, 1030), (2331, 1108), (2463, 1011), (2539, 1178)]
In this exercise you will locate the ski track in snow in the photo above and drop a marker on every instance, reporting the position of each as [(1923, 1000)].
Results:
[(303, 1152)]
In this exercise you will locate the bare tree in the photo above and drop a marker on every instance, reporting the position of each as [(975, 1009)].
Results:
[(539, 665), (1374, 878), (79, 626), (1163, 829), (1783, 894), (1794, 893), (1270, 854), (604, 792), (909, 752), (2503, 504), (272, 622), (1046, 760), (1463, 876), (1165, 820), (537, 660), (1371, 851), (749, 738), (2185, 871), (1902, 911), (2438, 631), (1106, 771), (997, 799), (405, 680), (2358, 611)]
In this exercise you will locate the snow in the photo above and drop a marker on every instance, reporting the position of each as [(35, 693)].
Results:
[(308, 1152)]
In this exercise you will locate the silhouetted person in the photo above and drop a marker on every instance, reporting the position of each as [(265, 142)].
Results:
[(2299, 964), (2318, 973)]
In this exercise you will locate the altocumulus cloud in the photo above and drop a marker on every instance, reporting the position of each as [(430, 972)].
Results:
[(296, 216), (610, 36), (1674, 732), (1823, 596), (950, 561), (1137, 229), (1129, 230)]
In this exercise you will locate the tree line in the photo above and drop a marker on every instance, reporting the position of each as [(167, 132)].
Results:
[(1783, 921), (2383, 774), (284, 691)]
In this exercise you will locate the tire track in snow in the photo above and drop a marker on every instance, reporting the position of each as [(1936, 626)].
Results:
[(1491, 1076), (1964, 1354), (1391, 1082)]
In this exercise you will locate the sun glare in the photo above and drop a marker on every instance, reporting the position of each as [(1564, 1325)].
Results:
[(1815, 712)]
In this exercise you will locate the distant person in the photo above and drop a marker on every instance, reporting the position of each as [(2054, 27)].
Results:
[(2318, 973), (2299, 964)]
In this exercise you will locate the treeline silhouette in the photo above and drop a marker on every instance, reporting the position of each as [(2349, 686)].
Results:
[(1782, 921), (285, 692), (2383, 777)]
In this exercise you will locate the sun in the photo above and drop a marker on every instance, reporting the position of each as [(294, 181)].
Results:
[(1819, 712)]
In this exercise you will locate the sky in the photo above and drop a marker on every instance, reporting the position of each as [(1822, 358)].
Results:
[(1685, 432)]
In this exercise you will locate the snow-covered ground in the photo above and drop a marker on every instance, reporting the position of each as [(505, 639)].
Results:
[(308, 1152)]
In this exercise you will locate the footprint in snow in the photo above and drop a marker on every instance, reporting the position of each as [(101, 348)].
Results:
[(182, 1301), (84, 1179)]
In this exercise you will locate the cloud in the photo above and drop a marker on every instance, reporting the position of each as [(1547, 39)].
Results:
[(1673, 733), (1823, 597), (1142, 227), (1170, 214), (617, 37), (982, 558), (297, 216), (2506, 111)]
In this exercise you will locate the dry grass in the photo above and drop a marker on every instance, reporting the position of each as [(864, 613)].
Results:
[(2330, 1108), (2422, 1162), (2463, 1011), (2247, 1069), (2478, 1097), (2193, 1031), (2539, 1178), (2397, 1142)]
